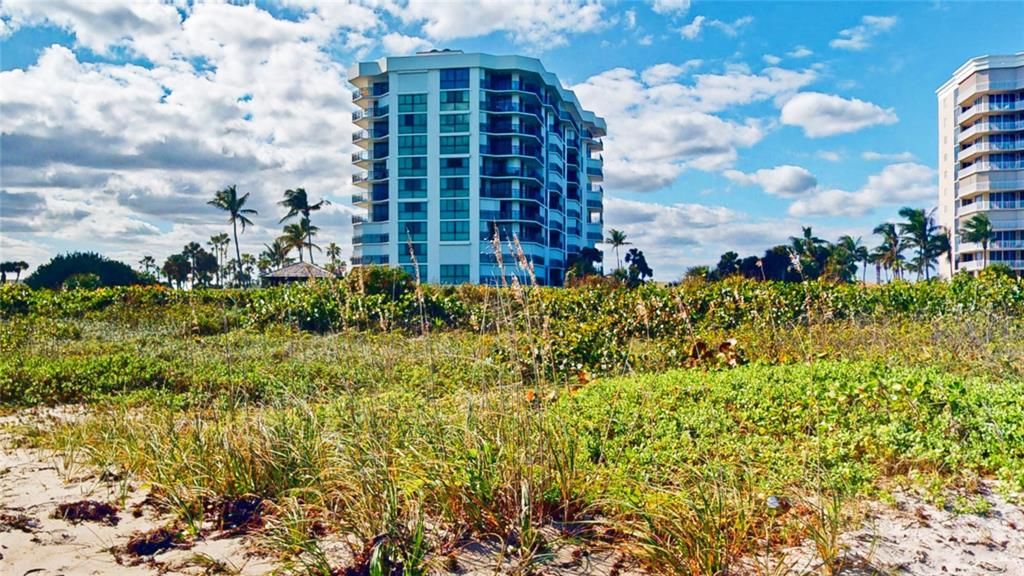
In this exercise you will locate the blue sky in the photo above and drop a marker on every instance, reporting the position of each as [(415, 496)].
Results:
[(730, 124)]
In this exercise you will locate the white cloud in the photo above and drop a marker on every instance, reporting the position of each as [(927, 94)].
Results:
[(397, 44), (659, 128), (896, 184), (645, 40), (785, 181), (666, 7), (630, 16), (800, 52), (113, 154), (771, 59), (667, 72), (826, 114), (859, 37), (693, 30), (536, 23), (894, 157), (829, 155)]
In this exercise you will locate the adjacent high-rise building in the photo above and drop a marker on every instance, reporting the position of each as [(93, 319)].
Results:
[(981, 158), (459, 146)]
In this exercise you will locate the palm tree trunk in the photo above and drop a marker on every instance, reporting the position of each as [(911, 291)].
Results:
[(238, 251)]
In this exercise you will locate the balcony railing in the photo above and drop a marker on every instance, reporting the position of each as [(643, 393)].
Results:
[(357, 219), (965, 188), (500, 107), (511, 129), (370, 239), (513, 150), (511, 172), (368, 134), (966, 92), (982, 127), (510, 215), (979, 264), (503, 194), (358, 197), (370, 176), (513, 86), (980, 147), (986, 166), (986, 107), (987, 205)]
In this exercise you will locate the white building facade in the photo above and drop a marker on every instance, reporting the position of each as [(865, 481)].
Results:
[(981, 158), (457, 146)]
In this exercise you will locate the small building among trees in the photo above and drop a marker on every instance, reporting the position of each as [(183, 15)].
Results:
[(298, 272)]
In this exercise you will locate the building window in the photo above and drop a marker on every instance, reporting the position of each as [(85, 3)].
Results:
[(454, 123), (454, 78), (412, 188), (412, 123), (454, 273), (454, 144), (379, 213), (412, 102), (412, 166), (454, 166), (454, 187), (412, 145), (454, 100), (412, 210), (454, 209), (413, 271), (413, 232), (454, 231)]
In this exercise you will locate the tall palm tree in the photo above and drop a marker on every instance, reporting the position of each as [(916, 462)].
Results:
[(147, 262), (979, 230), (300, 236), (334, 254), (858, 252), (229, 201), (890, 251), (218, 246), (276, 253), (809, 249), (919, 231), (190, 251), (616, 239), (297, 202)]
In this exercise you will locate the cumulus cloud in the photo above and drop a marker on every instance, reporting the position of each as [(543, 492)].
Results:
[(771, 59), (693, 30), (800, 52), (667, 7), (658, 128), (676, 236), (893, 157), (529, 22), (859, 37), (119, 152), (398, 44), (829, 155), (827, 114), (896, 184), (785, 181), (665, 73)]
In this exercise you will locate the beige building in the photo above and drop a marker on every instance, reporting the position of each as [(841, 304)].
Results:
[(981, 157)]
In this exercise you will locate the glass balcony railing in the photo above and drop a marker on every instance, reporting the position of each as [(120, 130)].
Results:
[(987, 205), (983, 127), (982, 147), (513, 150), (510, 215), (988, 107), (511, 172), (986, 166), (493, 128), (370, 239)]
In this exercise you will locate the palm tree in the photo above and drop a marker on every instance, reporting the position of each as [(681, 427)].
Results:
[(809, 249), (616, 239), (334, 253), (190, 251), (890, 251), (276, 253), (147, 262), (229, 201), (858, 252), (297, 202), (919, 231), (979, 230), (218, 245), (300, 236)]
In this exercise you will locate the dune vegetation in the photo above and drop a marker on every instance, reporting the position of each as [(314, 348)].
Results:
[(690, 428)]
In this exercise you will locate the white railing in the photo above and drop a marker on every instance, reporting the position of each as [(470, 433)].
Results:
[(982, 107), (982, 127), (964, 94), (985, 166), (990, 147)]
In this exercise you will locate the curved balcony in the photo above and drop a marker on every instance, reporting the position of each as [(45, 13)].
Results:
[(530, 152), (512, 172), (966, 92), (528, 195), (364, 138), (517, 86), (976, 265), (502, 108), (365, 97), (369, 177), (988, 206), (965, 189), (511, 216), (985, 127), (511, 130), (979, 148), (986, 166), (986, 108), (363, 117)]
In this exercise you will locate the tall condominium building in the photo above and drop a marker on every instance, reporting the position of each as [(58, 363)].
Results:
[(457, 146), (981, 158)]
